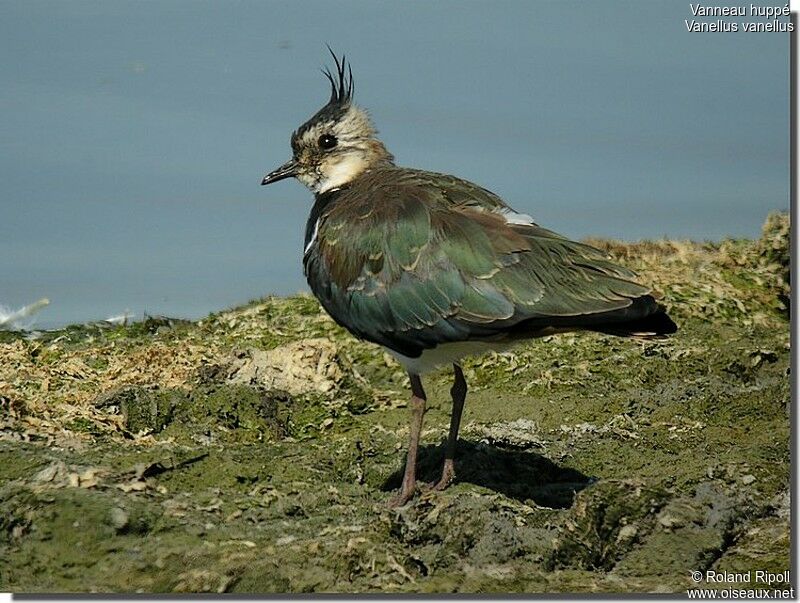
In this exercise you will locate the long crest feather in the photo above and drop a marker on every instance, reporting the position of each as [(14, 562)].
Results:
[(342, 82)]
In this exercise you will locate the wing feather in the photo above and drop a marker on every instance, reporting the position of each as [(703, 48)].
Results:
[(431, 259)]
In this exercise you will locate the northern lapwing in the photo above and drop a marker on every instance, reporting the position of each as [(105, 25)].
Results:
[(435, 268)]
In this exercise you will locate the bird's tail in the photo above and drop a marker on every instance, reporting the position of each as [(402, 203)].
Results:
[(644, 318), (654, 325)]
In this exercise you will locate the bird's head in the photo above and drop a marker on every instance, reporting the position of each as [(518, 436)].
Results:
[(337, 144)]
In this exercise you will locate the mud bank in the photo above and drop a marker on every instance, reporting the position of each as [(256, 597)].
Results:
[(253, 451)]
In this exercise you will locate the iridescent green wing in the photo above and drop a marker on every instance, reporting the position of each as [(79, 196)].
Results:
[(411, 265)]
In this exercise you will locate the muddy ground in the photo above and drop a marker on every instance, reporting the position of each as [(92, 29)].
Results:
[(255, 450)]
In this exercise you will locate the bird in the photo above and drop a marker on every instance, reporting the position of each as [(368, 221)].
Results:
[(435, 268)]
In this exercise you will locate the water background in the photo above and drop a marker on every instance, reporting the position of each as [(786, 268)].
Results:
[(134, 135)]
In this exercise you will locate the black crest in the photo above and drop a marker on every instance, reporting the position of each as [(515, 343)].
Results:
[(342, 82), (341, 95)]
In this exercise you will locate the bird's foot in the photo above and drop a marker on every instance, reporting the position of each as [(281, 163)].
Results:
[(406, 491), (448, 476), (401, 497)]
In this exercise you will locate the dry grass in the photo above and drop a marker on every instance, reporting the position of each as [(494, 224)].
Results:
[(48, 385)]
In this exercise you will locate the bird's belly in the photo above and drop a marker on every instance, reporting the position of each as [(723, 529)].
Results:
[(446, 354)]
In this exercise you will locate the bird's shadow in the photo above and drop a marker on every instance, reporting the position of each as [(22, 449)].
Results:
[(518, 474)]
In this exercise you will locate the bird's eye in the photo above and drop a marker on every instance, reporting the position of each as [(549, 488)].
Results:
[(327, 141)]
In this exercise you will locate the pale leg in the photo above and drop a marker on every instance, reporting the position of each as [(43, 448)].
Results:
[(459, 393), (417, 412)]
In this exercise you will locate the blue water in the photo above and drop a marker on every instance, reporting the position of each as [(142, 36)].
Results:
[(134, 135)]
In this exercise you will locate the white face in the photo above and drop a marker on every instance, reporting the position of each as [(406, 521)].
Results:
[(330, 154), (337, 171)]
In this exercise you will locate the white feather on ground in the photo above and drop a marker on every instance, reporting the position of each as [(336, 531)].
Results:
[(22, 319)]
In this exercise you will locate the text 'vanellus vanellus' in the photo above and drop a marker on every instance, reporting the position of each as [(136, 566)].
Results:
[(435, 268)]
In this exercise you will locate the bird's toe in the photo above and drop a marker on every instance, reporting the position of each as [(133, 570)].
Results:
[(448, 477), (400, 498)]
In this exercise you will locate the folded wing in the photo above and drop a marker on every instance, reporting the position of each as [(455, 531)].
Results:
[(413, 266)]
